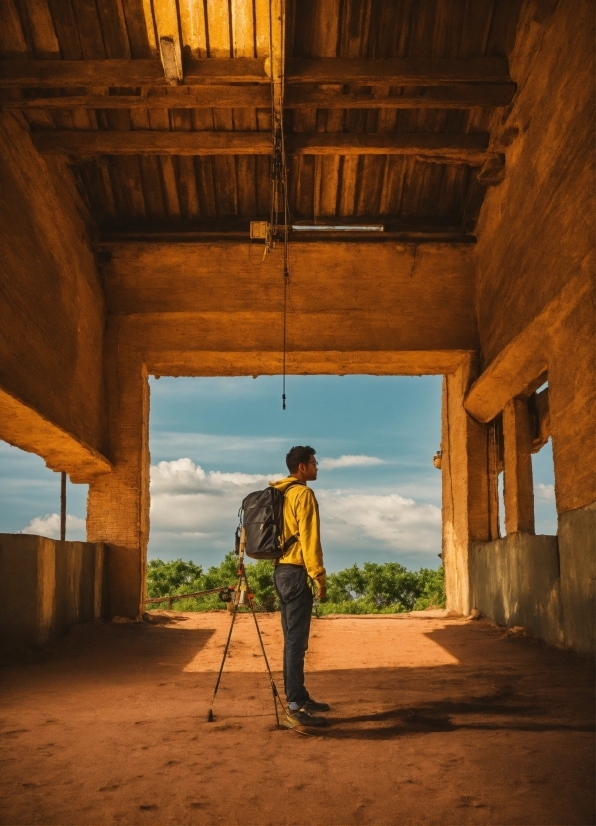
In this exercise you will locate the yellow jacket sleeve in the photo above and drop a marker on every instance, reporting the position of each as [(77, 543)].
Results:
[(309, 534)]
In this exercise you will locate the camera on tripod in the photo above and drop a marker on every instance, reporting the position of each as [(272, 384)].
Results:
[(235, 596), (239, 540)]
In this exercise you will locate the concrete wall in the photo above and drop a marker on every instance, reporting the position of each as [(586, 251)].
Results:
[(535, 263), (515, 581), (535, 255), (46, 586), (52, 310), (536, 229), (577, 551)]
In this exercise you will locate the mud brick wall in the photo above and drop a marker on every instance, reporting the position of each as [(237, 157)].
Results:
[(52, 311)]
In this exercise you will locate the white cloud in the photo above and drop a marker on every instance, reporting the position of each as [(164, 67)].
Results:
[(350, 461), (400, 524), (184, 476), (49, 525), (188, 502), (544, 492)]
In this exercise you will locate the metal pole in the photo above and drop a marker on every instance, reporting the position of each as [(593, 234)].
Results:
[(62, 507)]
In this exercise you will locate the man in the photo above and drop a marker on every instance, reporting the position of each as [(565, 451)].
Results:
[(304, 559)]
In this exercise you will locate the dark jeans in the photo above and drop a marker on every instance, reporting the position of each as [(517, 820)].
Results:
[(296, 600)]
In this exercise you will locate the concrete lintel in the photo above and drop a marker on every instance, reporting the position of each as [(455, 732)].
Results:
[(357, 297), (26, 428), (306, 362), (524, 359)]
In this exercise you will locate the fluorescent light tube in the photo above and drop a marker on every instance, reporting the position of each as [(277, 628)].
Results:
[(338, 227)]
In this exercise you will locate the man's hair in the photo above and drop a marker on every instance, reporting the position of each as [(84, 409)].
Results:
[(299, 454)]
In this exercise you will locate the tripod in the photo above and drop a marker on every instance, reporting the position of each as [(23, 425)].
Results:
[(242, 596)]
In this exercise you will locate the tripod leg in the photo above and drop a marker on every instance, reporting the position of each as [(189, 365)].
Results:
[(225, 653), (274, 690)]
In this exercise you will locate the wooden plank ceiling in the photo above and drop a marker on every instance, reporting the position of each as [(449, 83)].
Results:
[(387, 108)]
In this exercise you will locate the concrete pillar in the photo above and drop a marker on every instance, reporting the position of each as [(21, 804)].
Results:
[(118, 502), (518, 488), (466, 496)]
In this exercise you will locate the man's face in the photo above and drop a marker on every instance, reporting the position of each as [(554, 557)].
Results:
[(310, 469)]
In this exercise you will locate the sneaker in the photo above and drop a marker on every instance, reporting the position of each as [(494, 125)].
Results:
[(301, 717), (311, 706)]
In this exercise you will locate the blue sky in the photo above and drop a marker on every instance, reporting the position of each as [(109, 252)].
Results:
[(213, 440), (381, 504)]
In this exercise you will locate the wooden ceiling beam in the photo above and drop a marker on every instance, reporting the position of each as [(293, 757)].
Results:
[(334, 71), (179, 97), (437, 235), (484, 95), (232, 228), (152, 143), (442, 147), (126, 73), (445, 148), (296, 97), (398, 71)]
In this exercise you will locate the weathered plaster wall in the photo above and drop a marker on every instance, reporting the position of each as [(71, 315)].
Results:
[(577, 552), (52, 311), (515, 581), (535, 307), (535, 254), (189, 302), (536, 229), (47, 586)]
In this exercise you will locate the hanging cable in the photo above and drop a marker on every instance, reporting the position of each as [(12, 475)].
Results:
[(285, 326), (62, 507), (279, 208), (284, 193)]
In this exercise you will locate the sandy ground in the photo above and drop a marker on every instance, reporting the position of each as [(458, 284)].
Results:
[(434, 721)]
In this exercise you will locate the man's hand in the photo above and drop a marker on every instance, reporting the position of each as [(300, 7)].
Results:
[(322, 591)]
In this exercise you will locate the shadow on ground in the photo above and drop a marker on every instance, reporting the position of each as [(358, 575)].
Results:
[(108, 726)]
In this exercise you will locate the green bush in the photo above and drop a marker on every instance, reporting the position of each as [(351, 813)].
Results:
[(375, 588)]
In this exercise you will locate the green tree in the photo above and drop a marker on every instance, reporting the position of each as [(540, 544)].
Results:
[(432, 593), (178, 577), (375, 588), (175, 577)]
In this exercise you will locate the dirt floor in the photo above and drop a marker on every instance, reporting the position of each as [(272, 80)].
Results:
[(434, 721)]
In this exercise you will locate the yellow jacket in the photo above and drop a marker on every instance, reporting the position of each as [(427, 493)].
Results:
[(301, 519)]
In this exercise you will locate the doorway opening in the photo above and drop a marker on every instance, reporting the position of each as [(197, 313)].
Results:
[(213, 440)]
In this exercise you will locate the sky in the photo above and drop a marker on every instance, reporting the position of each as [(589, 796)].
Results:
[(214, 440)]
